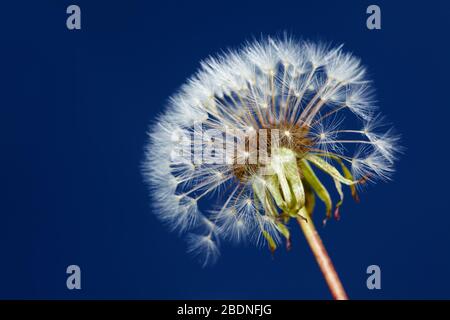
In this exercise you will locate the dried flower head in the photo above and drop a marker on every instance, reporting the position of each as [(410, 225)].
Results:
[(247, 134)]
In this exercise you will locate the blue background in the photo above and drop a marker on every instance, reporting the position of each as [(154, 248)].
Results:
[(75, 107)]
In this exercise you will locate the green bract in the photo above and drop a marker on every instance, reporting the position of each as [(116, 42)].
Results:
[(289, 185)]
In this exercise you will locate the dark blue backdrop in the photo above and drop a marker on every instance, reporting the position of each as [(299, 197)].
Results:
[(74, 110)]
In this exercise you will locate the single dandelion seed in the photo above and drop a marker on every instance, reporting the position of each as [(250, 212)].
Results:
[(288, 109)]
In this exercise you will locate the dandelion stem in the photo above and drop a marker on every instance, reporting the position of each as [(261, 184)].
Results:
[(322, 258)]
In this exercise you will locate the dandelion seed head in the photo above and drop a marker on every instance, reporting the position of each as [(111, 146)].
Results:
[(295, 100)]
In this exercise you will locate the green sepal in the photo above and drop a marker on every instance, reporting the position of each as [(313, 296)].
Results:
[(310, 198), (348, 175), (317, 186), (289, 179), (274, 189), (341, 200), (261, 189), (270, 241), (284, 230), (328, 168)]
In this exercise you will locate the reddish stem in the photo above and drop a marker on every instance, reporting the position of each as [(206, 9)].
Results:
[(323, 259)]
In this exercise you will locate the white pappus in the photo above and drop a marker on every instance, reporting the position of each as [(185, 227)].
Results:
[(319, 100)]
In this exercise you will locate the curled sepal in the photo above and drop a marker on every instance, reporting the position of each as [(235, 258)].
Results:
[(338, 185), (348, 175), (310, 198), (285, 166), (271, 243), (274, 189), (283, 229), (271, 207), (328, 168), (317, 186), (261, 188), (285, 232)]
